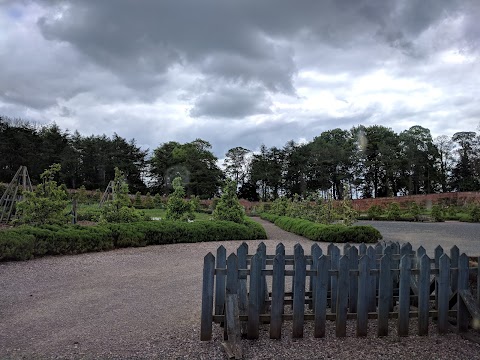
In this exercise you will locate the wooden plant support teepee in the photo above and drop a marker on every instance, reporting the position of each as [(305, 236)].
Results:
[(11, 196), (109, 193)]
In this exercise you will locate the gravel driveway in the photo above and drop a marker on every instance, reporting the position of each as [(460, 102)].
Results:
[(446, 234), (145, 303)]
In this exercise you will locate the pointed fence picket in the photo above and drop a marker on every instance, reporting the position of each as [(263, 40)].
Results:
[(363, 283)]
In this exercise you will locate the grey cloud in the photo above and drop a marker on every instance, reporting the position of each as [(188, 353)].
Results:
[(231, 102)]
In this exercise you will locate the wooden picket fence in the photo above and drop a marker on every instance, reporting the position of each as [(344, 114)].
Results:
[(381, 282)]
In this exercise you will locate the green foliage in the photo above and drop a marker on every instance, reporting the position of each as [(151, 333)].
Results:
[(437, 213), (280, 206), (89, 213), (82, 195), (119, 209), (393, 211), (149, 204), (374, 212), (336, 233), (46, 204), (414, 209), (27, 242), (137, 203), (228, 207), (195, 203), (177, 207), (158, 202), (474, 213)]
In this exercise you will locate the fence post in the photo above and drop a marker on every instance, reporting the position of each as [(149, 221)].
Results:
[(263, 294), (462, 310), (362, 306), (342, 297), (278, 294), (438, 253), (454, 255), (443, 293), (362, 249), (220, 281), (316, 253), (372, 287), (321, 288), (254, 296), (231, 289), (353, 281), (404, 295), (299, 292), (384, 294), (207, 297), (334, 258), (242, 252), (423, 294)]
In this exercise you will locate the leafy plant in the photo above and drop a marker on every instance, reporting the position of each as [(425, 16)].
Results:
[(228, 207), (474, 213), (374, 212), (119, 209), (393, 211), (46, 204), (177, 207), (137, 203), (149, 204), (157, 201), (437, 213)]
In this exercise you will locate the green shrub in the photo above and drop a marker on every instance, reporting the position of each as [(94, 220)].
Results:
[(138, 203), (336, 233), (158, 202), (228, 207), (177, 207), (393, 211), (46, 204), (149, 204), (437, 213), (26, 242), (90, 213), (474, 213)]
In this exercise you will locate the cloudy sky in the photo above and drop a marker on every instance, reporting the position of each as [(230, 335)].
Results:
[(240, 73)]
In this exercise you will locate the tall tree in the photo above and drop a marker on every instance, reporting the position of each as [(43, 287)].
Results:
[(330, 161), (236, 164), (463, 175), (420, 156), (445, 160), (379, 163), (193, 161), (294, 169)]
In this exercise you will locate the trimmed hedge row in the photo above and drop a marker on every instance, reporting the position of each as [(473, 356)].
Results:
[(336, 233), (27, 242)]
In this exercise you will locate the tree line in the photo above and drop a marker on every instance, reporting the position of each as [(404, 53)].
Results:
[(365, 161)]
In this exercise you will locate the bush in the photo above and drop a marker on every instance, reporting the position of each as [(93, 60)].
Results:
[(149, 204), (138, 203), (336, 233), (26, 242), (46, 204), (89, 213), (228, 207), (437, 213), (393, 211), (474, 213), (177, 207)]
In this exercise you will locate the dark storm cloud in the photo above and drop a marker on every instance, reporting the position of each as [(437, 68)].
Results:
[(231, 102)]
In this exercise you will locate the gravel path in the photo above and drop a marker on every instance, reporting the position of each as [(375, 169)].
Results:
[(446, 234), (145, 303)]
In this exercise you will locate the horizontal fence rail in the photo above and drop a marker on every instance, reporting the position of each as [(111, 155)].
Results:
[(382, 282)]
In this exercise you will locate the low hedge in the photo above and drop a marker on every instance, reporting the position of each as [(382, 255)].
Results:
[(26, 242), (336, 233)]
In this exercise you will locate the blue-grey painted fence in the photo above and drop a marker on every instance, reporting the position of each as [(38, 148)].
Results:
[(366, 282)]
